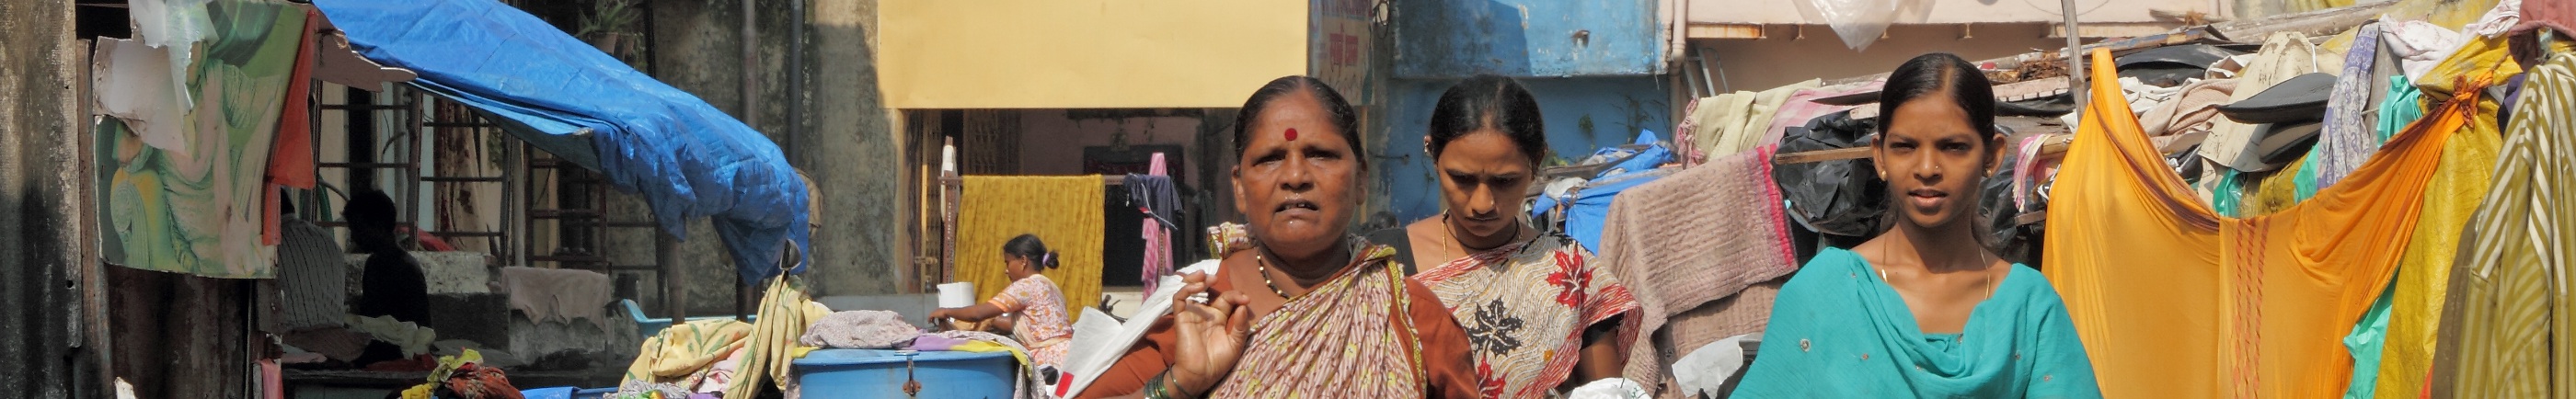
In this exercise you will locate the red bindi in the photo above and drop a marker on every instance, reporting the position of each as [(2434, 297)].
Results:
[(1292, 134)]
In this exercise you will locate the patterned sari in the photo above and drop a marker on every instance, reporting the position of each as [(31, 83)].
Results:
[(1337, 341), (1525, 307)]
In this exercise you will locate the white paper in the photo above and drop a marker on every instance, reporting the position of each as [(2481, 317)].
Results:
[(1096, 346), (1608, 388), (1706, 368)]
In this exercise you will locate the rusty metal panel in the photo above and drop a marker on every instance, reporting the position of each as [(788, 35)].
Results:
[(41, 225), (1528, 38)]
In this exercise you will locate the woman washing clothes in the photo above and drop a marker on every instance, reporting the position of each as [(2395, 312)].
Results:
[(1923, 309), (1036, 306), (1540, 319), (1298, 306)]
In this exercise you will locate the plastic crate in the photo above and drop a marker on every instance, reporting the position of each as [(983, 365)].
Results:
[(650, 327)]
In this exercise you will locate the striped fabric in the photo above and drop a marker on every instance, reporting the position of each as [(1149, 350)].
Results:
[(1330, 342), (2504, 322), (314, 276)]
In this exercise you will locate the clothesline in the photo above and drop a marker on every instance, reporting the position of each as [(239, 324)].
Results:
[(1113, 180)]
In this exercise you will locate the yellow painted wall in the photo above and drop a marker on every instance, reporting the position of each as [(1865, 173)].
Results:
[(1085, 53)]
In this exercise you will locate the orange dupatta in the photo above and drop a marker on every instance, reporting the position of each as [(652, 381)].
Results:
[(2173, 300)]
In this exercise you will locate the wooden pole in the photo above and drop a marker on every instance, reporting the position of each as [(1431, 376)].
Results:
[(2074, 52), (675, 297)]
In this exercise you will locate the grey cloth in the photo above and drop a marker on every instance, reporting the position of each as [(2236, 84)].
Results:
[(860, 329), (1157, 196), (313, 275)]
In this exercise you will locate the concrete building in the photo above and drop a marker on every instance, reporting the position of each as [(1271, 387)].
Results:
[(1744, 45)]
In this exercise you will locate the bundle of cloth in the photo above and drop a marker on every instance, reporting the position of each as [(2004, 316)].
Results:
[(723, 355)]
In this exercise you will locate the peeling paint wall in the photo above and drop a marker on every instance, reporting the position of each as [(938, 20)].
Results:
[(50, 311), (1456, 39), (848, 146)]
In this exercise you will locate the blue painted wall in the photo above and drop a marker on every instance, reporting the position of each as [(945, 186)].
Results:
[(1459, 38), (1615, 107)]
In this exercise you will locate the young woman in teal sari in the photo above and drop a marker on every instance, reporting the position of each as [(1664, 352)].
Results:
[(1923, 309)]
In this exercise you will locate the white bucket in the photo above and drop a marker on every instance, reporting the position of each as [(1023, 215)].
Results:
[(957, 295)]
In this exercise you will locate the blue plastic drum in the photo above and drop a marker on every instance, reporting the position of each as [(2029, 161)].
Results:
[(863, 373)]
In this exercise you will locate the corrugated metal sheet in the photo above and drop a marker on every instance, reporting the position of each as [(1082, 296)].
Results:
[(1528, 38), (43, 257)]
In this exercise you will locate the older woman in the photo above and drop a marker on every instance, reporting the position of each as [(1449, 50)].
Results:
[(1298, 306)]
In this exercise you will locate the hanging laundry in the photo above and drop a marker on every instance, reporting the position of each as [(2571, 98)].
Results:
[(678, 355), (1802, 107), (2505, 332), (313, 276), (559, 295), (2284, 56), (2420, 45), (2423, 276), (132, 82), (2173, 299), (785, 311), (201, 210), (174, 27), (290, 160), (2348, 137), (1734, 122), (2560, 15), (1714, 233), (2504, 16), (1161, 200), (1063, 210), (2187, 118)]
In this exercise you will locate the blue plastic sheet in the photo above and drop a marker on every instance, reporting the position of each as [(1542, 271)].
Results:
[(687, 159), (1591, 202)]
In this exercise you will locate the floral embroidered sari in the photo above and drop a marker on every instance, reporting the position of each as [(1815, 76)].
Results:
[(1525, 307)]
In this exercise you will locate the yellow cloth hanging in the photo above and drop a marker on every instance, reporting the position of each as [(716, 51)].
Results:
[(785, 312), (2511, 330), (2274, 192), (2458, 186), (2173, 300), (1063, 211)]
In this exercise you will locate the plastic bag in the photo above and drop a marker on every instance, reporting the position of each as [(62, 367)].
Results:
[(1859, 22)]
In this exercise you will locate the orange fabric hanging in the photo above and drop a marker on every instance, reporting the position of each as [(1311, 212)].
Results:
[(2173, 300)]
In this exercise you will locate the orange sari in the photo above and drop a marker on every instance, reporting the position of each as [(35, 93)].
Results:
[(2174, 300)]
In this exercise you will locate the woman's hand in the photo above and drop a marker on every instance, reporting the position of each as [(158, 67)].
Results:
[(1211, 335), (938, 318)]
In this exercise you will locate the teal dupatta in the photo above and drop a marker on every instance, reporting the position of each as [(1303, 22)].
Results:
[(1837, 331)]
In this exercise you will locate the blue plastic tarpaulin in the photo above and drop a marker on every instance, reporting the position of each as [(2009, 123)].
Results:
[(687, 159), (1591, 201)]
